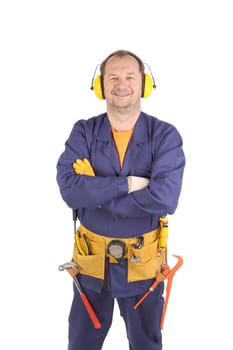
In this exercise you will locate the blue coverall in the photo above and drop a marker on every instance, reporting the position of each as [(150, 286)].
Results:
[(104, 206)]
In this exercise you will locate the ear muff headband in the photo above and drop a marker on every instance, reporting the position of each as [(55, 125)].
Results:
[(146, 90)]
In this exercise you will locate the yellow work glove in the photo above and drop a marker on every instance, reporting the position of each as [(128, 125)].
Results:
[(83, 167)]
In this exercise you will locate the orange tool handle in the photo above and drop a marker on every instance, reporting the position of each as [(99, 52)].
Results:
[(168, 287), (168, 274), (89, 308), (150, 290), (90, 311), (165, 272)]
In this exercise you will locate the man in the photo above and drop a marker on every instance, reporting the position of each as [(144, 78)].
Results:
[(121, 171)]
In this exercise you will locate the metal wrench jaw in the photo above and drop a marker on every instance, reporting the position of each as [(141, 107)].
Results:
[(69, 265), (168, 272)]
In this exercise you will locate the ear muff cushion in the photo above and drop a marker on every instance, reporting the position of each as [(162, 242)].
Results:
[(148, 86), (98, 88)]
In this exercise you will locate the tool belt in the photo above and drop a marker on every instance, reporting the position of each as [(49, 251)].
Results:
[(142, 252)]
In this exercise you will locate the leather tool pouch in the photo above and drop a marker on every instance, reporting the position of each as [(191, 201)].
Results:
[(94, 264), (143, 262)]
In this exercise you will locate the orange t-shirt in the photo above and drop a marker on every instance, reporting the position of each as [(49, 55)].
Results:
[(121, 139)]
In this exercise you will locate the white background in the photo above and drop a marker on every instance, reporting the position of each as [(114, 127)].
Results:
[(49, 51)]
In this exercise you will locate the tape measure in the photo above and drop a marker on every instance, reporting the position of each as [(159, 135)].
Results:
[(116, 249)]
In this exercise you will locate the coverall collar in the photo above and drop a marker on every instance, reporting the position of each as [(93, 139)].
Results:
[(139, 136)]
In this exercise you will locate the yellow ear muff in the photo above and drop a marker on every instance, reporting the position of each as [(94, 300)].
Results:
[(98, 88), (148, 85)]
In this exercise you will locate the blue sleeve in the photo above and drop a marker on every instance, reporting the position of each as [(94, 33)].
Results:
[(81, 191), (162, 194)]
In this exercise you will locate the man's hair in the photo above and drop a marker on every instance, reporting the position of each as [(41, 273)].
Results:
[(122, 53)]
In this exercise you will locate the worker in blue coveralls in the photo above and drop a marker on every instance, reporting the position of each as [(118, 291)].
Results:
[(120, 171)]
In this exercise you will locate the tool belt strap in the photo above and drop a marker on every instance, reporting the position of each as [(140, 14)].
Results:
[(148, 237)]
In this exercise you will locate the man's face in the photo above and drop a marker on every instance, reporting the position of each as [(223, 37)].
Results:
[(122, 82)]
